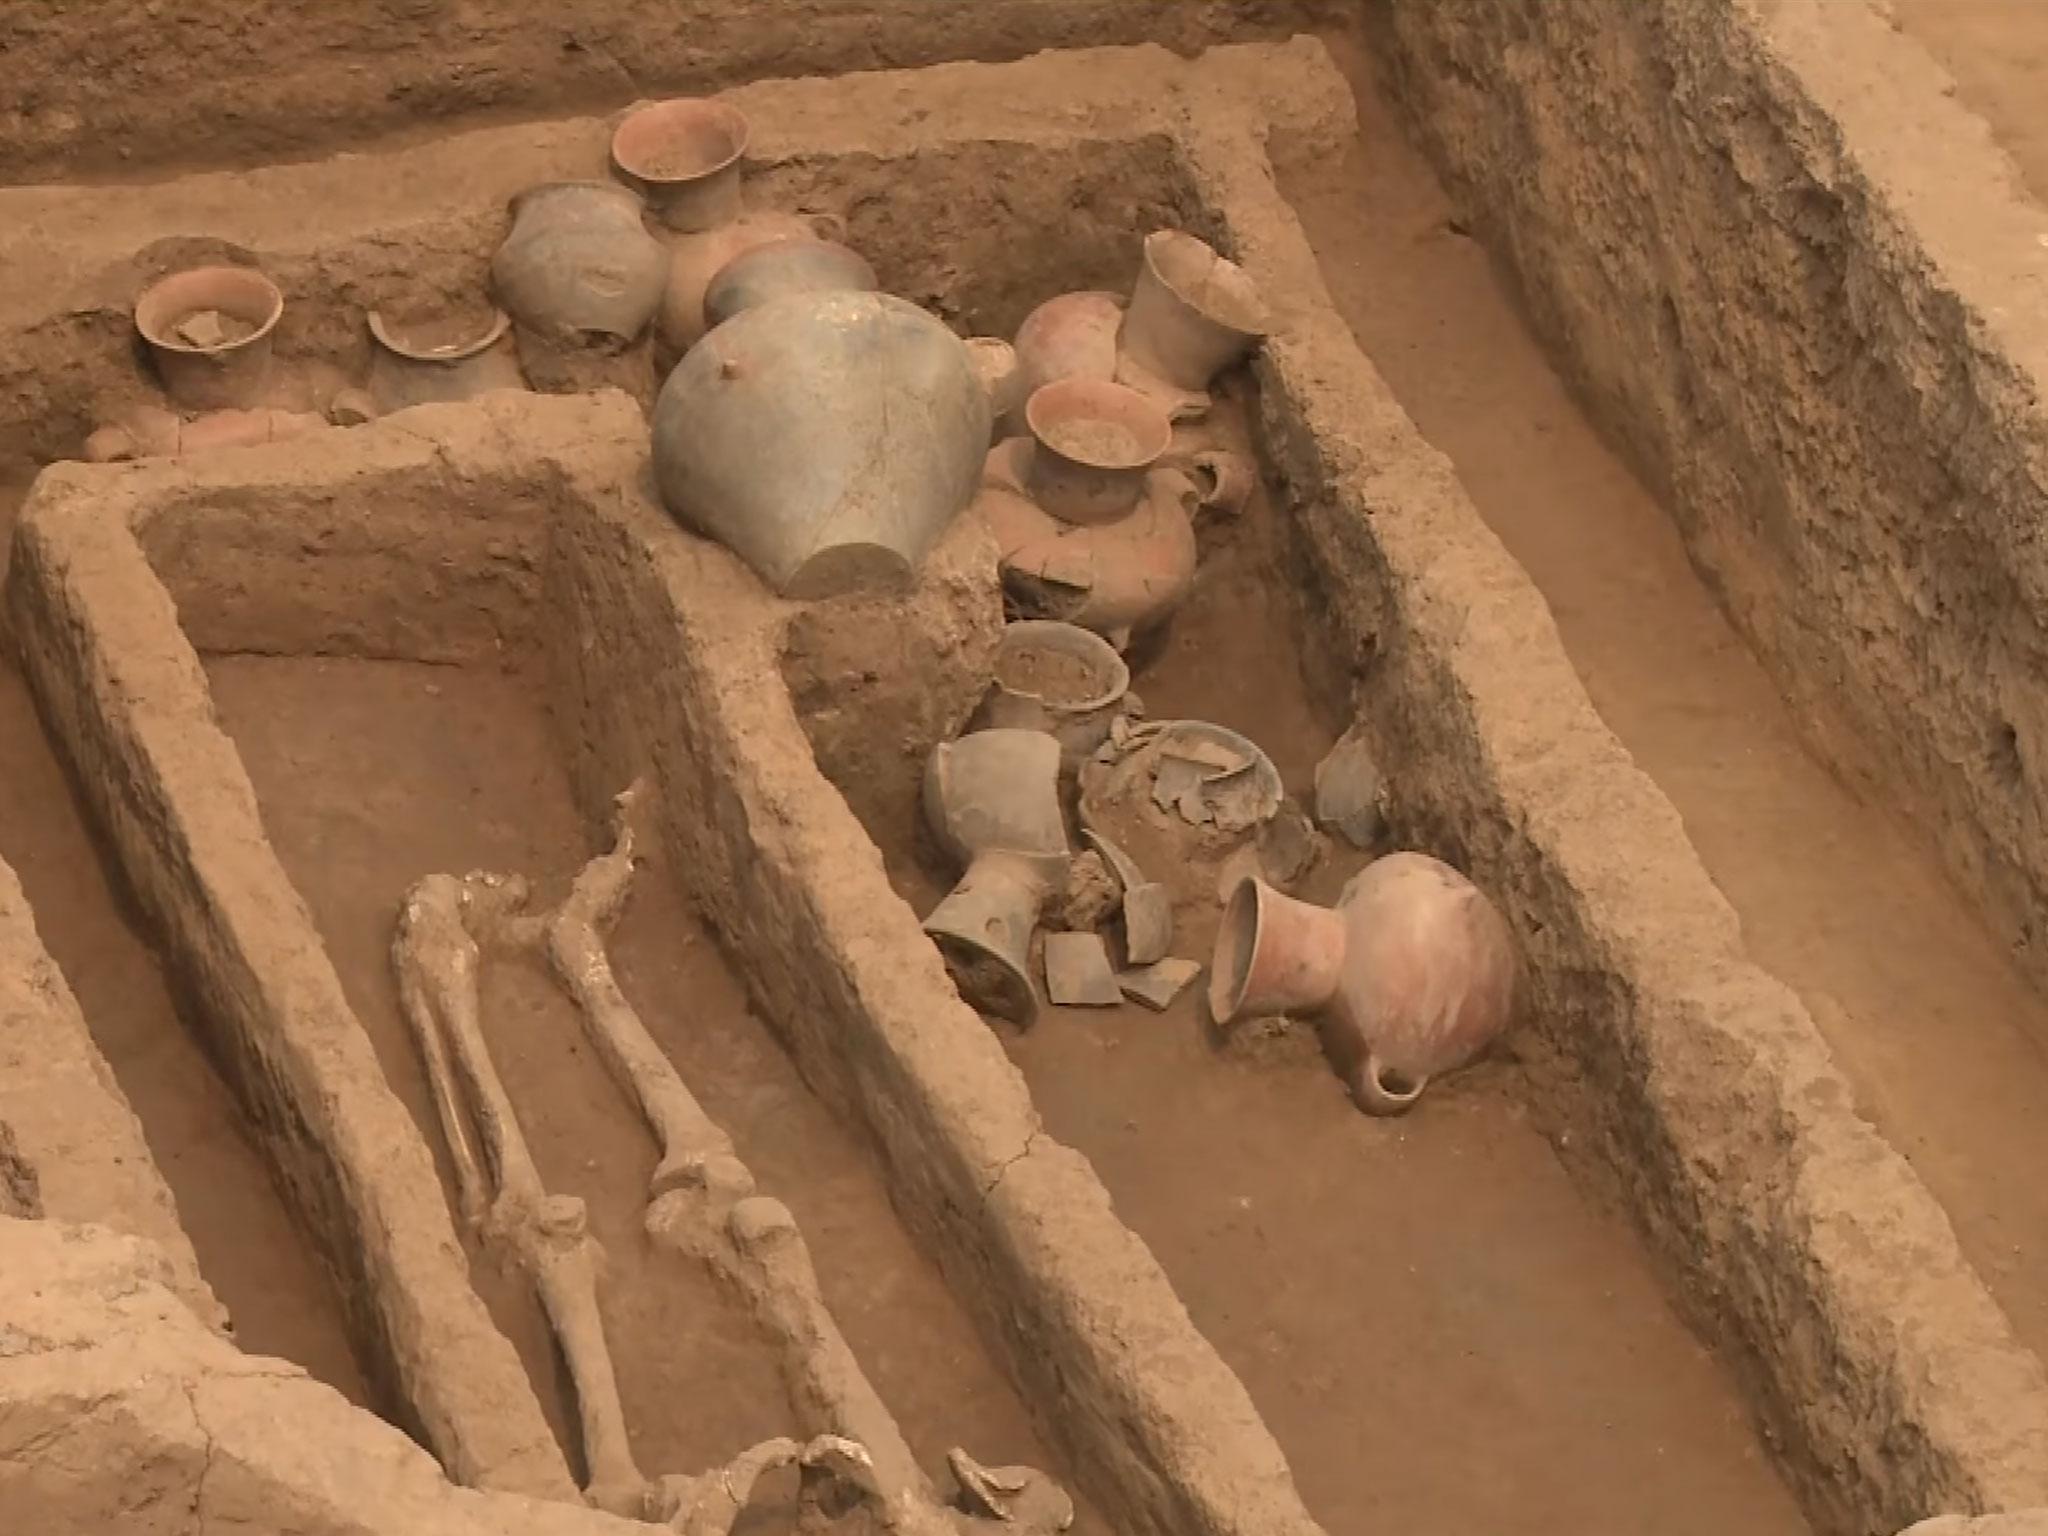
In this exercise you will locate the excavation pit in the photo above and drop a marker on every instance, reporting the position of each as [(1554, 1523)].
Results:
[(250, 658)]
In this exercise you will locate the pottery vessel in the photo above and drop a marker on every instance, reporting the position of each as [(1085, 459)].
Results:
[(578, 265), (781, 268), (1412, 973), (1183, 799), (1077, 716), (1120, 578), (995, 364), (201, 372), (1192, 313), (1223, 480), (1093, 443), (1072, 336), (683, 156), (827, 439), (696, 259), (992, 800), (420, 365), (153, 433)]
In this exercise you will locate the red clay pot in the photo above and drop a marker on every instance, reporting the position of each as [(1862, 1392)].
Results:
[(1411, 974)]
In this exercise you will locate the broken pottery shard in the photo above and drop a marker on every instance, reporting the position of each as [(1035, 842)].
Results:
[(1177, 782), (1289, 846), (1350, 792), (202, 328), (1148, 922), (1121, 864), (1219, 758), (1077, 971), (1158, 984), (1091, 894)]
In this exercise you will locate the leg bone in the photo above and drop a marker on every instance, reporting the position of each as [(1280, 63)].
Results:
[(546, 1235)]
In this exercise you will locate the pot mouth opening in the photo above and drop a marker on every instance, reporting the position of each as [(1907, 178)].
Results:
[(673, 143), (1052, 637), (1237, 944), (1097, 424), (439, 340), (987, 980), (241, 294)]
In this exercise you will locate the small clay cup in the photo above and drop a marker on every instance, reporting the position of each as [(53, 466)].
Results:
[(230, 374), (683, 156), (1093, 443)]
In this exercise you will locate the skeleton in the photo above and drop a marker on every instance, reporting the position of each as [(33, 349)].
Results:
[(702, 1204)]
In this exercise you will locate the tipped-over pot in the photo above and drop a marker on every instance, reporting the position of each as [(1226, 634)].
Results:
[(578, 265), (1410, 975), (992, 799), (827, 439), (1192, 313)]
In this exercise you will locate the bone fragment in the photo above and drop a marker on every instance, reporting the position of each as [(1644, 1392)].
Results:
[(435, 961)]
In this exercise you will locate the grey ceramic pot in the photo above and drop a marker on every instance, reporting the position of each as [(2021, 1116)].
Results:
[(827, 439)]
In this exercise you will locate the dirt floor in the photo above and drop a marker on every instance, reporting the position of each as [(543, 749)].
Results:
[(1997, 50), (372, 774), (1946, 1043), (257, 1261)]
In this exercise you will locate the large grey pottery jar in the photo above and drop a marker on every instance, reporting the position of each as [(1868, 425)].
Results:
[(827, 439)]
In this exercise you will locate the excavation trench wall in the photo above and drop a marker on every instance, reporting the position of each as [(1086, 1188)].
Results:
[(120, 1412), (125, 699), (71, 1150), (666, 653), (114, 87), (1706, 1097), (1893, 1386), (1805, 289), (678, 674)]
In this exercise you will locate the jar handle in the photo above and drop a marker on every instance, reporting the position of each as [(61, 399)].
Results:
[(1380, 1092)]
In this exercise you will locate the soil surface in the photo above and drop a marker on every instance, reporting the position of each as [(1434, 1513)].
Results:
[(372, 774), (1998, 52), (259, 1263), (1394, 1294), (1944, 1040), (1086, 441), (1053, 676)]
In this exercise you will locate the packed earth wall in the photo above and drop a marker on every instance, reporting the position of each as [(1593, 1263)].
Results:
[(1685, 1080), (120, 1411), (71, 1149), (1805, 289), (125, 697), (115, 87), (1787, 1220)]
